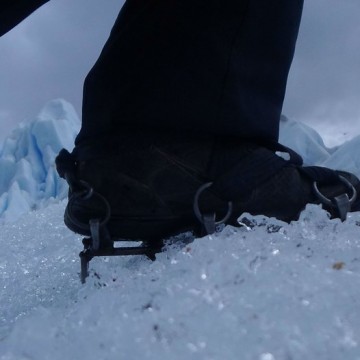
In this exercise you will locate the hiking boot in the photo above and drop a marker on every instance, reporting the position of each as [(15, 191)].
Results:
[(152, 190)]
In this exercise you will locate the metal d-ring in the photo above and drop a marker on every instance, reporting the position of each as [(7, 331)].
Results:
[(328, 201), (87, 191), (201, 216), (76, 196)]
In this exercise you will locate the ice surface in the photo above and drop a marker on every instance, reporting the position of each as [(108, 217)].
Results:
[(266, 291)]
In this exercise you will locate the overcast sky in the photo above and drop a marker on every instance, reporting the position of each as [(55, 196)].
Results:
[(50, 53)]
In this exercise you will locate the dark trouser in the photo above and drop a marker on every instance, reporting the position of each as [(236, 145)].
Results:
[(12, 12), (191, 67)]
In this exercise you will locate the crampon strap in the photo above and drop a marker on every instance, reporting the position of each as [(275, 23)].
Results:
[(66, 168), (341, 203), (254, 170)]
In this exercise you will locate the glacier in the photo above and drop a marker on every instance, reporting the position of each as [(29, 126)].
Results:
[(266, 291), (28, 178)]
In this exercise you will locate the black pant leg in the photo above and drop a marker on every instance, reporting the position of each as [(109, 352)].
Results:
[(12, 12), (193, 67)]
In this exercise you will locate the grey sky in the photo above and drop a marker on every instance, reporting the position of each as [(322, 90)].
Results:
[(49, 54), (324, 83)]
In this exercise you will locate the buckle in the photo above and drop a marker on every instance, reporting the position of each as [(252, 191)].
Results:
[(342, 203), (85, 195), (208, 220)]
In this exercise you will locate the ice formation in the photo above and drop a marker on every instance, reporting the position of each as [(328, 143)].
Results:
[(28, 177)]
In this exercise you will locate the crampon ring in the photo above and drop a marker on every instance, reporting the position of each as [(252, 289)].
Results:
[(328, 201), (88, 191), (86, 195), (197, 211)]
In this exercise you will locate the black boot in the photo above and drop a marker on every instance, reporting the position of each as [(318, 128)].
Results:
[(154, 189)]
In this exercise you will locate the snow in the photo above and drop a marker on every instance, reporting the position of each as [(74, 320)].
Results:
[(265, 291), (268, 290)]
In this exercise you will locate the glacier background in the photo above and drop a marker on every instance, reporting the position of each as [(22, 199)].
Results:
[(265, 291)]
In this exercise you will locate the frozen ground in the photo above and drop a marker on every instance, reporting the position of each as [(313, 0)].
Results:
[(265, 291)]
